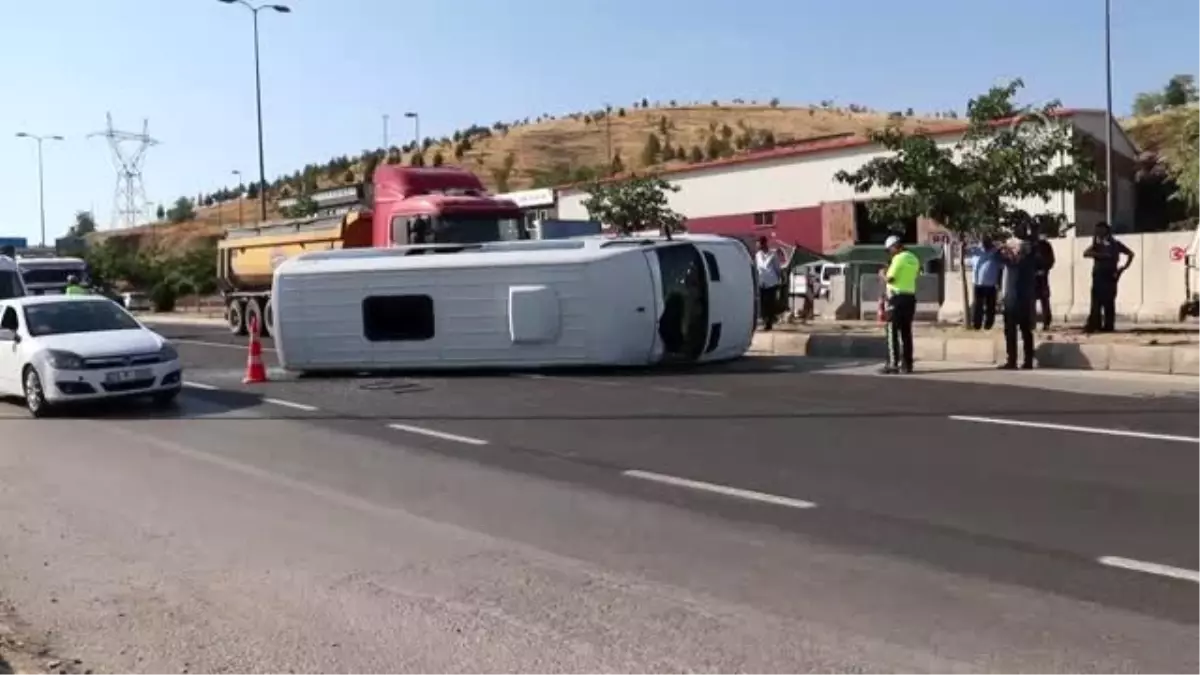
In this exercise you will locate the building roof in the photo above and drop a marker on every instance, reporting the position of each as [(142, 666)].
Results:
[(818, 145)]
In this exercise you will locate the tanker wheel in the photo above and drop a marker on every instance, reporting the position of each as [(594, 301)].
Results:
[(235, 314), (254, 316), (268, 327)]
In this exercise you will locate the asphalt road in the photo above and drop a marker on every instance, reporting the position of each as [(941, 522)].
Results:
[(768, 515)]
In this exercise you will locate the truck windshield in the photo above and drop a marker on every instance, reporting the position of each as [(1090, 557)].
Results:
[(464, 228), (683, 325)]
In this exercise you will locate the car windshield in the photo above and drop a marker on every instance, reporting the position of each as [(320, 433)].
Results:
[(84, 316), (683, 325), (10, 285)]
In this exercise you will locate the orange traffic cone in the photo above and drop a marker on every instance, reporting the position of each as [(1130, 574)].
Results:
[(256, 373)]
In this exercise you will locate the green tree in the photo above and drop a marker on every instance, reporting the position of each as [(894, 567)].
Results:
[(1182, 156), (438, 158), (348, 177), (965, 187), (160, 213), (369, 165), (774, 103), (636, 203), (1147, 103), (713, 148), (417, 159), (503, 173), (1180, 91), (652, 151), (85, 223), (695, 155), (183, 210), (618, 165)]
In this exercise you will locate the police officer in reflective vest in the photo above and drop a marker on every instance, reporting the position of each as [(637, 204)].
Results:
[(901, 276), (73, 287)]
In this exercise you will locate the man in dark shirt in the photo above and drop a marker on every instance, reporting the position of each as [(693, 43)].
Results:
[(1043, 253), (1020, 291), (1105, 253)]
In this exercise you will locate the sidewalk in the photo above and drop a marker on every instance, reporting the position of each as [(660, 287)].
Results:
[(1171, 349)]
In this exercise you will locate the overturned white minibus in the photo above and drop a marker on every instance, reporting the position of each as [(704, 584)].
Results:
[(594, 301)]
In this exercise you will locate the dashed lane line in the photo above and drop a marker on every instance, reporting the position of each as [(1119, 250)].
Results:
[(1125, 433), (688, 392), (434, 433), (200, 385), (1150, 568), (291, 404), (725, 490)]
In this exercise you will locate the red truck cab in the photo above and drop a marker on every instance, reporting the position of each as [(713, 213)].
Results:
[(413, 205)]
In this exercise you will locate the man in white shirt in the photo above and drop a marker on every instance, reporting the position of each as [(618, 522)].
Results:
[(770, 275)]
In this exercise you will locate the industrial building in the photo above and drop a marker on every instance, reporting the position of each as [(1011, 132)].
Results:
[(790, 193)]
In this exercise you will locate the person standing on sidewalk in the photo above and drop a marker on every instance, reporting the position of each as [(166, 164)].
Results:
[(901, 279), (1105, 253), (1043, 253), (1020, 289), (988, 267), (770, 275)]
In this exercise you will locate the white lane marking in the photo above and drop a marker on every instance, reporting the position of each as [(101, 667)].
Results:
[(226, 345), (1150, 568), (438, 434), (199, 385), (719, 489), (688, 392), (291, 404), (1083, 430), (577, 380)]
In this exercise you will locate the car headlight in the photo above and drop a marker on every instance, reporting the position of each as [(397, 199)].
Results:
[(61, 360), (168, 353)]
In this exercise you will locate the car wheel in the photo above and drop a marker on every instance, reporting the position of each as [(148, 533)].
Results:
[(164, 399), (35, 395)]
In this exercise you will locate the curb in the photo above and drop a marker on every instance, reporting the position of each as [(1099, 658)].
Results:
[(1160, 359)]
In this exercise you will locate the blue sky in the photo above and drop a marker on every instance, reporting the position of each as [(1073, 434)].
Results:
[(333, 67)]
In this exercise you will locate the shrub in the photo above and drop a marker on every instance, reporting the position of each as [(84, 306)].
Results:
[(163, 296)]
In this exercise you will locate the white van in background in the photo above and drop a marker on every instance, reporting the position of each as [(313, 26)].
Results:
[(593, 301), (12, 285), (48, 275)]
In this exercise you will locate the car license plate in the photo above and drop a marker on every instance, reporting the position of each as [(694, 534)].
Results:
[(119, 376)]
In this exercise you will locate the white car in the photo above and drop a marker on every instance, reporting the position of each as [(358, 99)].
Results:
[(136, 302), (57, 349)]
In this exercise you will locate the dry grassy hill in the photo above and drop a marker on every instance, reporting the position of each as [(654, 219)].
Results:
[(553, 150), (550, 150)]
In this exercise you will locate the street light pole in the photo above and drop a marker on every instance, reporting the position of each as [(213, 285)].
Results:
[(262, 166), (41, 179), (1108, 114), (416, 129), (241, 197)]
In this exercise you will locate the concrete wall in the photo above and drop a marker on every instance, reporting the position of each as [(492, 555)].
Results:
[(1150, 291)]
